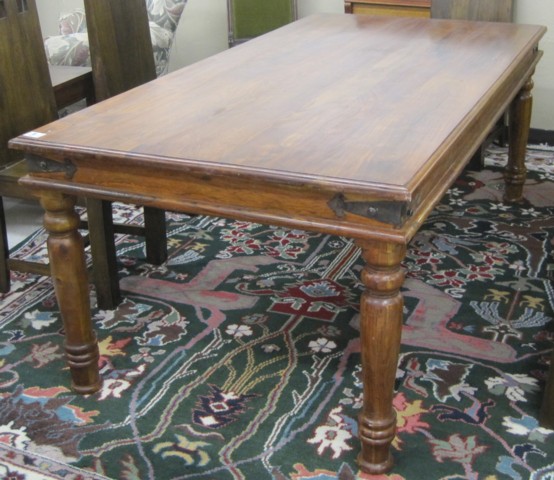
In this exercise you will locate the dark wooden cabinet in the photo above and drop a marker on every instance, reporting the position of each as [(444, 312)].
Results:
[(404, 8), (486, 10)]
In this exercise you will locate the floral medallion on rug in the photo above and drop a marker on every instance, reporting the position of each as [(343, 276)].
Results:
[(239, 358)]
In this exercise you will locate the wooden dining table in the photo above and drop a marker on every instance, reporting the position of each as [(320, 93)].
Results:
[(344, 124)]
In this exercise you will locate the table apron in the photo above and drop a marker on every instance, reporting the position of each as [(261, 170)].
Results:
[(305, 207)]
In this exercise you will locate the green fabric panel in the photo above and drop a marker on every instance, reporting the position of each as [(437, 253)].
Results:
[(256, 17)]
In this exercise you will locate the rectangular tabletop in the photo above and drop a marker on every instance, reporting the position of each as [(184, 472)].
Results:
[(341, 122)]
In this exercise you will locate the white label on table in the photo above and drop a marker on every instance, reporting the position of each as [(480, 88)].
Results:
[(34, 134)]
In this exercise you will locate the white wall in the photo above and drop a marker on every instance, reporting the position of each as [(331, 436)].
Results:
[(203, 32), (541, 12), (203, 28), (49, 12)]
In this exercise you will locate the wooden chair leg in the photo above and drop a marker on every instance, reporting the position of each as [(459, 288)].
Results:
[(546, 418), (477, 162), (101, 236), (155, 235), (4, 252), (102, 245)]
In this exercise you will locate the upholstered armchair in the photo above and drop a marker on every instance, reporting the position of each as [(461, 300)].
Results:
[(71, 47), (249, 18)]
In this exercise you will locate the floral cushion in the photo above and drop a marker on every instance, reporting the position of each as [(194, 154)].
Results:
[(71, 46), (74, 22)]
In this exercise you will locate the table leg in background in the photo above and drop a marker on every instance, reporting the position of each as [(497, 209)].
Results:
[(381, 308), (102, 247), (68, 270), (520, 121)]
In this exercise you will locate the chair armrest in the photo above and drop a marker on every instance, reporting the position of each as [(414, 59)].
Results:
[(71, 47), (72, 22), (71, 50)]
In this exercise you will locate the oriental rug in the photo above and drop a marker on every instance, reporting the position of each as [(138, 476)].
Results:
[(239, 357)]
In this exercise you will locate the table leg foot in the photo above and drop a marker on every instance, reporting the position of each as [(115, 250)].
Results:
[(381, 308), (376, 437), (83, 363), (520, 120), (69, 275)]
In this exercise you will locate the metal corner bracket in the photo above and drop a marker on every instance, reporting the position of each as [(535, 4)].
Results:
[(37, 164), (393, 212)]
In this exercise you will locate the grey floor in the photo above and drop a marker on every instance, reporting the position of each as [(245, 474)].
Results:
[(23, 217)]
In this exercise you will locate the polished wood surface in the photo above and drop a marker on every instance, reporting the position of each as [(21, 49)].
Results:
[(302, 128), (352, 107), (486, 11)]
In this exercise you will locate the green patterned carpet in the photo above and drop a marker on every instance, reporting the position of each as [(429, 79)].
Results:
[(239, 357)]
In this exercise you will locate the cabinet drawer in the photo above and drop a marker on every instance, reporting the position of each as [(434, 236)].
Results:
[(417, 8)]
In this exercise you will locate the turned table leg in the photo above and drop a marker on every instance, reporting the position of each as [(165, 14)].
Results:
[(380, 329), (520, 121), (68, 270)]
